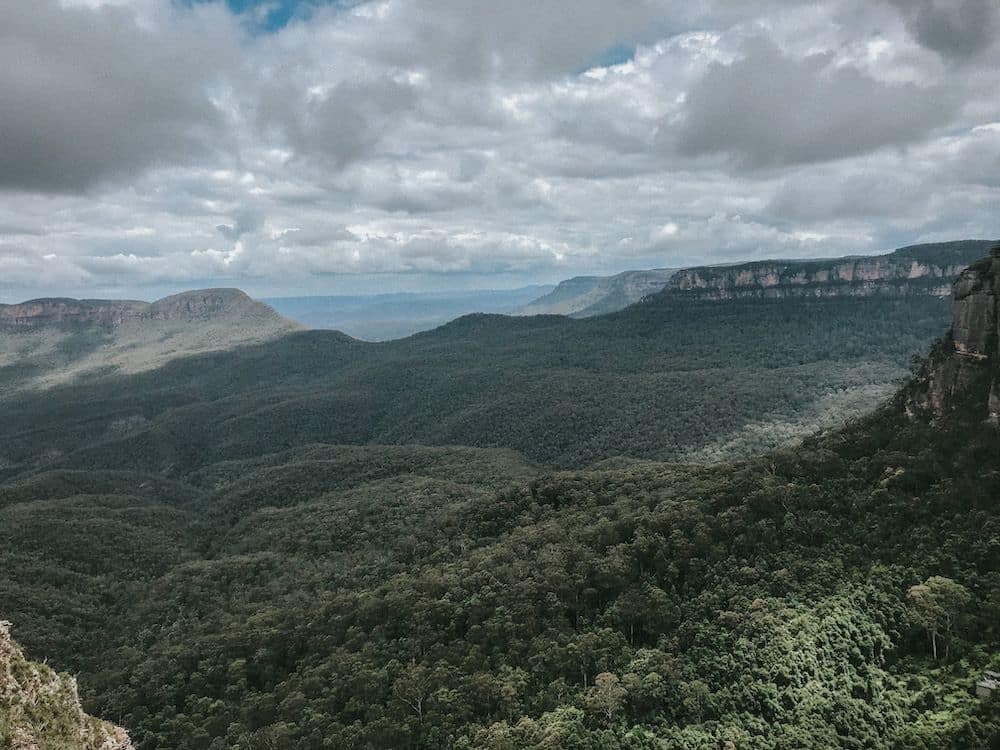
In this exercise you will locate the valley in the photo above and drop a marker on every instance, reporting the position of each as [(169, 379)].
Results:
[(232, 551)]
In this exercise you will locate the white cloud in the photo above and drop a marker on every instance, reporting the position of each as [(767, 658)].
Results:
[(150, 144)]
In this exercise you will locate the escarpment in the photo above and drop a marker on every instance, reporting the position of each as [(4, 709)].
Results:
[(41, 709), (205, 304), (920, 270), (963, 368)]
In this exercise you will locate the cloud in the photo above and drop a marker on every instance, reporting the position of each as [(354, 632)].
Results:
[(957, 29), (163, 144), (767, 109), (92, 93)]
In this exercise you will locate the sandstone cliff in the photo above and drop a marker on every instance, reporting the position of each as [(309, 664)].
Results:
[(40, 710), (923, 269), (197, 305), (964, 367)]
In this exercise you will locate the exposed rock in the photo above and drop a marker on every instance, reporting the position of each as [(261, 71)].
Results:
[(918, 270), (46, 312), (197, 305), (41, 709), (965, 363)]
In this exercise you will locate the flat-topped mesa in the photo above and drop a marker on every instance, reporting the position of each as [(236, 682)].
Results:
[(197, 305), (964, 367), (41, 709), (918, 270)]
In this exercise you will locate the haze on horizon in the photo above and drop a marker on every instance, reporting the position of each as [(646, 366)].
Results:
[(292, 147)]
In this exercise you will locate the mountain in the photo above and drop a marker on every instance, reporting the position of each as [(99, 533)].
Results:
[(382, 317), (586, 296), (40, 709), (838, 594), (666, 379), (915, 270), (45, 342)]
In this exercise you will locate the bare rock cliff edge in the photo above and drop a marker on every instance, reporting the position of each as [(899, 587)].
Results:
[(963, 369), (40, 709)]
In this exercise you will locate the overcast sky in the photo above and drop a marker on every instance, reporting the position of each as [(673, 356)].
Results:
[(288, 147)]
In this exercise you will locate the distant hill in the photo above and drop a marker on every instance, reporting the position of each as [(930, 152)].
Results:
[(381, 317), (48, 341), (586, 296), (667, 378)]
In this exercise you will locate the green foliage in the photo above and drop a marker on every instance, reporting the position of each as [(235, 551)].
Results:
[(664, 379), (336, 597)]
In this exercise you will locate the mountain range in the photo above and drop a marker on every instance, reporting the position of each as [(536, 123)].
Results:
[(224, 575)]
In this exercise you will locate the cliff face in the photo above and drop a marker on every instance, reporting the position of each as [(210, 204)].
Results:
[(47, 312), (966, 363), (41, 709), (861, 277), (197, 305)]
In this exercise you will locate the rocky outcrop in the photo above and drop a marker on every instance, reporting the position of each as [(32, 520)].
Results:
[(197, 305), (41, 709), (47, 312), (860, 277), (918, 270), (964, 367)]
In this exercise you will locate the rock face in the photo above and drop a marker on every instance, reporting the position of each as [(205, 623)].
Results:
[(197, 305), (966, 362), (41, 709), (922, 270)]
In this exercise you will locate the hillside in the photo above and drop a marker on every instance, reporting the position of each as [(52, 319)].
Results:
[(586, 296), (46, 342), (837, 595), (666, 379), (40, 710)]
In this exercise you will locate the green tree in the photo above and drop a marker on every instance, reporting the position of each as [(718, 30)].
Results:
[(935, 606)]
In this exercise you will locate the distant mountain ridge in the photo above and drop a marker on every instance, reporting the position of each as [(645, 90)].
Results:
[(46, 342), (926, 269), (586, 296), (200, 304), (383, 317)]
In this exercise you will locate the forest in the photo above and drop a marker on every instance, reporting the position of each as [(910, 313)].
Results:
[(284, 546), (661, 380), (839, 594)]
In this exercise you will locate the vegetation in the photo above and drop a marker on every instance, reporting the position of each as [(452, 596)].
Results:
[(407, 597), (664, 379), (227, 556), (39, 709)]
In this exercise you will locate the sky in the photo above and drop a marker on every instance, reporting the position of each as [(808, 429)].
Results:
[(290, 147)]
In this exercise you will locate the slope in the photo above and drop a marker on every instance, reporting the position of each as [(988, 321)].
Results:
[(48, 342), (586, 296), (404, 597)]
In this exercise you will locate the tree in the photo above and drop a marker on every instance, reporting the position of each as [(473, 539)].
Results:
[(607, 696), (935, 605)]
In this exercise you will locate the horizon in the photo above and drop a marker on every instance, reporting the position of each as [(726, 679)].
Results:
[(314, 148)]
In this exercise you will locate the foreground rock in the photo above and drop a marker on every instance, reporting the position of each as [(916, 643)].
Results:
[(40, 709)]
